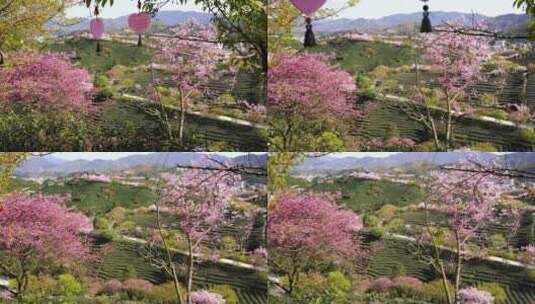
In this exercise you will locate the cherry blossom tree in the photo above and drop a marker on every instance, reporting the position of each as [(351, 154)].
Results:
[(48, 82), (199, 200), (192, 62), (469, 201), (307, 97), (39, 231), (307, 229), (456, 59)]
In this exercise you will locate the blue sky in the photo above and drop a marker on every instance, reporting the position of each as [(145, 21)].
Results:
[(111, 155), (125, 7), (381, 8)]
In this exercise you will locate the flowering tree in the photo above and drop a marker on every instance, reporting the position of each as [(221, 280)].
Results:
[(192, 63), (48, 82), (307, 229), (468, 200), (37, 232), (199, 200), (305, 94), (456, 58)]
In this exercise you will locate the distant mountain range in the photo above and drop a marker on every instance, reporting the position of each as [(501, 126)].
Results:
[(331, 163), (510, 23), (52, 166), (165, 18)]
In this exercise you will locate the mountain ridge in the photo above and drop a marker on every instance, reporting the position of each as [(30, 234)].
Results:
[(508, 23), (51, 165)]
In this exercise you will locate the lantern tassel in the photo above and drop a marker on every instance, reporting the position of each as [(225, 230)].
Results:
[(310, 39), (426, 22)]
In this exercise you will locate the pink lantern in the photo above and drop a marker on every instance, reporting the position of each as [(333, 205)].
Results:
[(139, 23), (308, 7), (97, 28)]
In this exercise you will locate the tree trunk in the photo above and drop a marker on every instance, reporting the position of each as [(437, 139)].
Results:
[(1, 58), (458, 269), (182, 118), (445, 283), (139, 41), (190, 269), (98, 47), (168, 255)]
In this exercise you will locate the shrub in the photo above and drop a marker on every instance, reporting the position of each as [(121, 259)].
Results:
[(112, 287), (165, 293), (102, 81), (484, 147), (434, 291), (496, 113), (206, 297), (475, 296), (496, 290), (137, 289), (68, 285), (102, 223), (26, 130), (531, 274), (408, 282), (129, 272), (387, 212), (381, 284), (228, 293)]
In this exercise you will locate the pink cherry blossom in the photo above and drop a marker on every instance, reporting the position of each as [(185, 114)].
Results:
[(46, 81), (473, 295), (40, 227), (307, 85), (313, 225), (205, 297)]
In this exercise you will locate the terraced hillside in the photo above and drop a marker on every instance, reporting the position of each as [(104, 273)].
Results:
[(362, 56), (250, 285), (257, 237), (364, 195), (97, 198), (468, 131), (138, 120), (396, 257)]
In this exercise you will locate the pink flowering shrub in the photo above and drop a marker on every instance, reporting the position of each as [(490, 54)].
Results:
[(528, 254), (112, 287), (381, 284), (392, 144), (475, 296), (310, 103), (206, 297), (313, 225), (522, 115), (48, 82), (307, 85), (39, 231), (313, 228), (255, 112), (137, 284), (408, 282), (41, 227)]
